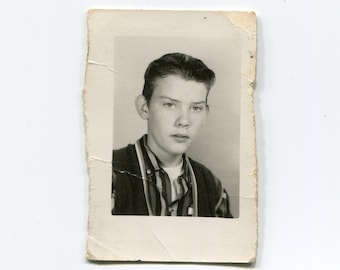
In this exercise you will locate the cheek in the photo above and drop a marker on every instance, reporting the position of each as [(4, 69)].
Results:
[(159, 121), (199, 120), (164, 118)]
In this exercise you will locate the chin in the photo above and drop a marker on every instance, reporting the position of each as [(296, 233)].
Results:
[(179, 151)]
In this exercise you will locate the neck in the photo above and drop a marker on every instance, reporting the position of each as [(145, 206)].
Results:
[(166, 160), (170, 163)]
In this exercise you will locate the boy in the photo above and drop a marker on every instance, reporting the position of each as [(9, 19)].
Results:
[(155, 176)]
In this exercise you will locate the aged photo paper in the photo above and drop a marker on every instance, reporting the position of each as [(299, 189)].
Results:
[(156, 219)]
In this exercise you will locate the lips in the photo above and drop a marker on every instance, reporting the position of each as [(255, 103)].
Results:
[(180, 138)]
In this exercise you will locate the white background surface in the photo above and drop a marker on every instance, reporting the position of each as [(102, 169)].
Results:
[(43, 193)]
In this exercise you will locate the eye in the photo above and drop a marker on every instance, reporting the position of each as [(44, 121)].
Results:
[(169, 105), (197, 108)]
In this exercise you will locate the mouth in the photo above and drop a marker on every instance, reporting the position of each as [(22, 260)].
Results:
[(180, 137)]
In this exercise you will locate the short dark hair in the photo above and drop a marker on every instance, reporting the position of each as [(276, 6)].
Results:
[(186, 66)]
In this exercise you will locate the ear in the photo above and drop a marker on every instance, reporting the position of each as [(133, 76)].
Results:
[(207, 108), (206, 113), (142, 107)]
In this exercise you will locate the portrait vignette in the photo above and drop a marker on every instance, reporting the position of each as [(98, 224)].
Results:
[(133, 238)]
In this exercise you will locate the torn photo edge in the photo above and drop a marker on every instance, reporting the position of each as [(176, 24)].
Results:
[(138, 238)]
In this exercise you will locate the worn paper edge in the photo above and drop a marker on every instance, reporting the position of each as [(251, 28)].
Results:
[(237, 18)]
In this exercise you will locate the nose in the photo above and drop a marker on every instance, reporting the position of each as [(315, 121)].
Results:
[(183, 119)]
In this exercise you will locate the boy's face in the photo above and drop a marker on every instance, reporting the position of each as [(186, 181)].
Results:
[(176, 112)]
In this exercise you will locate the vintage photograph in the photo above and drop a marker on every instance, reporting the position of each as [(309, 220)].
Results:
[(170, 136), (191, 121)]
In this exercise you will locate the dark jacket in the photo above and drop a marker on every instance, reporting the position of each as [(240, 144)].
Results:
[(127, 183)]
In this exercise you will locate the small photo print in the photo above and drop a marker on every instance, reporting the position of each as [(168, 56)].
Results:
[(170, 136)]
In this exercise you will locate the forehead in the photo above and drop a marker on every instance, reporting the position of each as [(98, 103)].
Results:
[(175, 86)]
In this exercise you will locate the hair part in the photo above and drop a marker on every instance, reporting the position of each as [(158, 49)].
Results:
[(183, 65)]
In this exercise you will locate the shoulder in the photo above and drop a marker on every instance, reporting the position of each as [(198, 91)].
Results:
[(197, 166), (201, 171), (123, 152), (124, 155)]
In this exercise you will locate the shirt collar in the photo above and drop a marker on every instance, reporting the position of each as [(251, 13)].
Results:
[(153, 163)]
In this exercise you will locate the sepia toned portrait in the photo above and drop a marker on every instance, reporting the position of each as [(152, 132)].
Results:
[(170, 136), (180, 123)]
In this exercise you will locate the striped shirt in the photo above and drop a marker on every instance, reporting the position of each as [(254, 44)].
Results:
[(158, 187)]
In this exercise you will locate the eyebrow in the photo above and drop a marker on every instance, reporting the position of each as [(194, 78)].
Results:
[(175, 100), (165, 97)]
